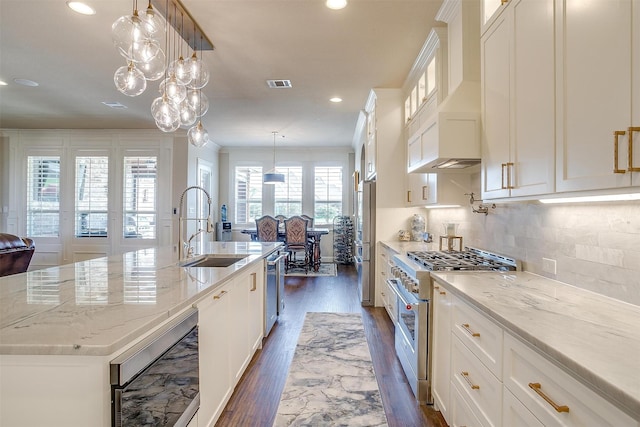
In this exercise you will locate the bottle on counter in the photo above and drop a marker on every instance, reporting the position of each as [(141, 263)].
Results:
[(223, 213)]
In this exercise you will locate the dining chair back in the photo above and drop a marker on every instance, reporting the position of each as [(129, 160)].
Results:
[(267, 229), (309, 220), (295, 241)]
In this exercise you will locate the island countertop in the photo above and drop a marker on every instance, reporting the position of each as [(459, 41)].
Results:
[(97, 307), (594, 337)]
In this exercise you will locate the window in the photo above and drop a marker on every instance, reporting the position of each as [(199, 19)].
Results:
[(328, 194), (91, 196), (289, 194), (248, 193), (43, 196), (140, 197)]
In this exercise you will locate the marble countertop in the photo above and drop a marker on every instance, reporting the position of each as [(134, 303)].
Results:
[(97, 307), (594, 337), (402, 247)]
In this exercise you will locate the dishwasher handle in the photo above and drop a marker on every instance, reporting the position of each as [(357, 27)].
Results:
[(276, 260)]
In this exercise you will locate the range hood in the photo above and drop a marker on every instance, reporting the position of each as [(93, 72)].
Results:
[(447, 136)]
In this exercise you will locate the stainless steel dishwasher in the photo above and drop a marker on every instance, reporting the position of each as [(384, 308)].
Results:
[(274, 295)]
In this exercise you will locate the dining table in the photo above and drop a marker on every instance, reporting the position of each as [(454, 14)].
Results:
[(313, 235)]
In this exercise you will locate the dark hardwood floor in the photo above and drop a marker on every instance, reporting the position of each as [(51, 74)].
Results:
[(256, 398)]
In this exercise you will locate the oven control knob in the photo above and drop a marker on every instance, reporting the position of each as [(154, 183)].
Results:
[(409, 307)]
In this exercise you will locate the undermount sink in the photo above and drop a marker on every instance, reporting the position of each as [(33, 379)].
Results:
[(213, 261)]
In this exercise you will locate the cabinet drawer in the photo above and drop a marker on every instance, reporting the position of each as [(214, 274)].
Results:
[(462, 415), (478, 386), (540, 385), (515, 414), (481, 335)]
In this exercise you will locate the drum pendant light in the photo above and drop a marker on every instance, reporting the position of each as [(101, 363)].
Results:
[(272, 177)]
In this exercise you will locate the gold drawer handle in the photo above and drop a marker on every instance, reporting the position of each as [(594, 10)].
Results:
[(502, 168), (616, 134), (465, 375), (220, 295), (466, 327), (254, 282), (559, 408), (443, 293), (631, 167)]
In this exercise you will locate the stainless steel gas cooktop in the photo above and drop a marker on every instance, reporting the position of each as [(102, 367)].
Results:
[(468, 259)]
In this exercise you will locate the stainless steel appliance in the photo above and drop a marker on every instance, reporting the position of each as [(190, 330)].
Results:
[(160, 369), (223, 231), (365, 241), (412, 284), (274, 295)]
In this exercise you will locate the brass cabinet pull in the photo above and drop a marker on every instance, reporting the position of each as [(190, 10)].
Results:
[(502, 167), (502, 2), (408, 196), (631, 167), (436, 287), (425, 192), (559, 408), (220, 295), (465, 375), (466, 327), (443, 293), (616, 134), (254, 282)]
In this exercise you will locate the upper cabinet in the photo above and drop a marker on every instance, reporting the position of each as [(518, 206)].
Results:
[(370, 150), (442, 128), (598, 92), (518, 96)]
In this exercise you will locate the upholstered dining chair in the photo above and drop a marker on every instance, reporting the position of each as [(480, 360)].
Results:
[(267, 229), (309, 220), (295, 241)]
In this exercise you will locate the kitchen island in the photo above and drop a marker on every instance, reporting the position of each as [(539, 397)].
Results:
[(538, 337), (60, 327)]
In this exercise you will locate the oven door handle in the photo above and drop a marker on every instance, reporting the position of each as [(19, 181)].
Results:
[(409, 305)]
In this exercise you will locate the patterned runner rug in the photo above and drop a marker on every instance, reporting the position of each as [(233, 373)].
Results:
[(331, 380), (326, 269)]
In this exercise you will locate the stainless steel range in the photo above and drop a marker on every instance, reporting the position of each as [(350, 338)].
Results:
[(412, 285)]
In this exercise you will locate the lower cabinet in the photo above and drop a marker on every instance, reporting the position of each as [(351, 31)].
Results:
[(492, 378), (441, 355), (230, 331), (213, 343), (387, 296)]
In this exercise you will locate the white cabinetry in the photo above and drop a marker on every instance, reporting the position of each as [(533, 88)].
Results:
[(230, 330), (441, 355), (428, 189), (387, 296), (551, 395), (213, 344), (597, 97), (371, 147), (518, 96)]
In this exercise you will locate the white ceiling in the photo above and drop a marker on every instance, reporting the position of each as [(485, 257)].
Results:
[(325, 53)]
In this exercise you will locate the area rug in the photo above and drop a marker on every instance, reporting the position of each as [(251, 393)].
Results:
[(331, 380), (326, 269)]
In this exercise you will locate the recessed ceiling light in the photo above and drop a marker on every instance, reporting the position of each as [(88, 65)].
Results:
[(26, 82), (336, 4), (3, 83), (336, 99), (81, 8)]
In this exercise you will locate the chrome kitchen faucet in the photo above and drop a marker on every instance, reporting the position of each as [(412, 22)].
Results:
[(186, 244)]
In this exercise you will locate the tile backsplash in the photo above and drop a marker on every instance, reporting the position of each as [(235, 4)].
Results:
[(595, 246)]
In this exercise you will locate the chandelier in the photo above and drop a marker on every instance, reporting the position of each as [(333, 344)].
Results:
[(153, 52)]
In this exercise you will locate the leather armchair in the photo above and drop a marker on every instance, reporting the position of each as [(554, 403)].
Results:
[(15, 254)]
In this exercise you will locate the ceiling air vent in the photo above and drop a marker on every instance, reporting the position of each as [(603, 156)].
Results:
[(115, 105), (279, 84)]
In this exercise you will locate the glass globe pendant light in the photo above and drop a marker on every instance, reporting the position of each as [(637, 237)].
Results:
[(199, 72), (198, 135), (154, 69), (127, 31), (175, 91), (164, 111), (129, 80), (188, 115), (198, 101), (153, 22)]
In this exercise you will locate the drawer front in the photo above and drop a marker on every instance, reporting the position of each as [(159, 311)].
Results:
[(515, 414), (461, 413), (552, 395), (480, 334), (478, 386)]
